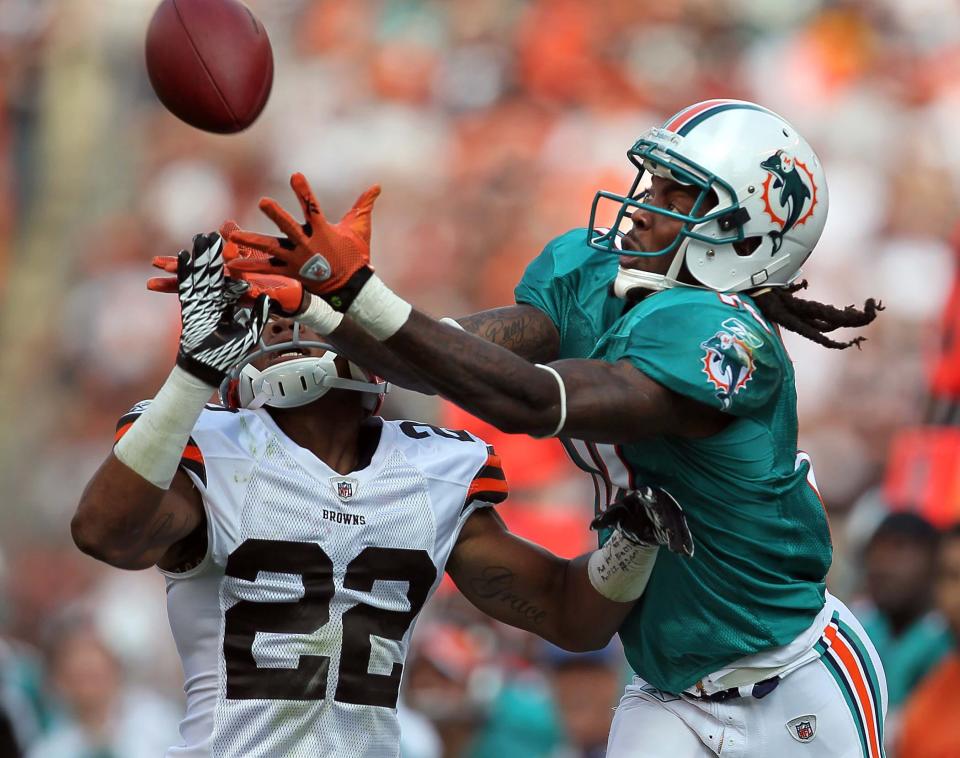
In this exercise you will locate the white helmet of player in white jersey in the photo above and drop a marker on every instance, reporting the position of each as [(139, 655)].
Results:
[(767, 183), (297, 381)]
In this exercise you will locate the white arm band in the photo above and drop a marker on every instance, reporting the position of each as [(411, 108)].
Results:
[(152, 447), (320, 316), (621, 569), (378, 309), (563, 399), (452, 322)]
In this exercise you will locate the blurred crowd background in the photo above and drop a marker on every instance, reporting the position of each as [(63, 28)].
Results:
[(490, 124)]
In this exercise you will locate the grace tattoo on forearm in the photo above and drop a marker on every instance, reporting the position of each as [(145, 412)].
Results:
[(496, 583), (526, 334)]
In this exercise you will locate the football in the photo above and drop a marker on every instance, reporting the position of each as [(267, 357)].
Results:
[(210, 63)]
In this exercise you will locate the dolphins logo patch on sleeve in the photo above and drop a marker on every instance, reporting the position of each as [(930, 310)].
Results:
[(795, 201), (728, 359)]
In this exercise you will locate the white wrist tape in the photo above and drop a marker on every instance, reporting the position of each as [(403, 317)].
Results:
[(378, 309), (452, 322), (563, 400), (320, 316), (153, 445), (621, 569)]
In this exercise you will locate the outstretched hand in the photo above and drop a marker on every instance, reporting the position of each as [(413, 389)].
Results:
[(286, 294), (324, 257), (214, 335)]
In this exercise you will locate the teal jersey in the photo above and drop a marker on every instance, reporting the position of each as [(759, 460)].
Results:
[(757, 578), (570, 282)]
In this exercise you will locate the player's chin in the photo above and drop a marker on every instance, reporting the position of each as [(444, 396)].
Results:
[(630, 262)]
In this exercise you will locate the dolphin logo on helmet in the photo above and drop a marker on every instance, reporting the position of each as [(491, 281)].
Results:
[(794, 193)]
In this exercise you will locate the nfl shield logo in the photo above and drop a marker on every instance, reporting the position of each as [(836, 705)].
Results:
[(344, 487), (803, 729), (317, 268)]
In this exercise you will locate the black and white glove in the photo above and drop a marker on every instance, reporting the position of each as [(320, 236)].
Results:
[(215, 335), (648, 516)]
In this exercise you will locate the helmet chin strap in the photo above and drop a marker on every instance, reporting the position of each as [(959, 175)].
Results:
[(259, 397), (336, 382), (631, 278)]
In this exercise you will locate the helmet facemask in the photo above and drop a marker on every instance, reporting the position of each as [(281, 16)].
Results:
[(715, 217)]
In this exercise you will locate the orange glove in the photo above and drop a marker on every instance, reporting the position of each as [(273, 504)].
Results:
[(286, 294), (331, 260), (168, 263)]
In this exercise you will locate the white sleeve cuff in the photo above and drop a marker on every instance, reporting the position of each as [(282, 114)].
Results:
[(152, 447), (320, 316), (621, 569), (378, 309)]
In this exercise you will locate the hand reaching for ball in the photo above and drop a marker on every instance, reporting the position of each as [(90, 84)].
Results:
[(328, 259)]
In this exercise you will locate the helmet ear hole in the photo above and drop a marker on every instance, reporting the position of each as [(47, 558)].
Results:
[(747, 247)]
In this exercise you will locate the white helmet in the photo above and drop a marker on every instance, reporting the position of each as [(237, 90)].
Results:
[(769, 188), (298, 381)]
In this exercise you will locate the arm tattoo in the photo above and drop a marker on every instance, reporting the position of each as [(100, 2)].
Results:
[(496, 583), (521, 330)]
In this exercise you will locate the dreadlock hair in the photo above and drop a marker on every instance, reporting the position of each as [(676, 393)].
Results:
[(811, 319)]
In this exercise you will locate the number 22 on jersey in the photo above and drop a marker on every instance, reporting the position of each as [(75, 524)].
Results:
[(308, 681)]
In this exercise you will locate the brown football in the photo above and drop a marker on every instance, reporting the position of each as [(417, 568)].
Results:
[(210, 63)]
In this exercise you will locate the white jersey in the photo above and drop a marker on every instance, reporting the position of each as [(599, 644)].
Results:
[(294, 628)]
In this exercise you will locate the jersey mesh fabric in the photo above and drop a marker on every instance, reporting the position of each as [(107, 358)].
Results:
[(345, 561), (756, 580), (280, 499), (570, 282), (284, 504)]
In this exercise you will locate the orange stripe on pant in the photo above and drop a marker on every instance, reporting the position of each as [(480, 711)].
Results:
[(849, 661)]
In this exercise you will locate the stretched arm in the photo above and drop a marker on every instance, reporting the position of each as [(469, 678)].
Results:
[(353, 342), (521, 329), (526, 586), (139, 509), (325, 259), (124, 520), (605, 402)]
